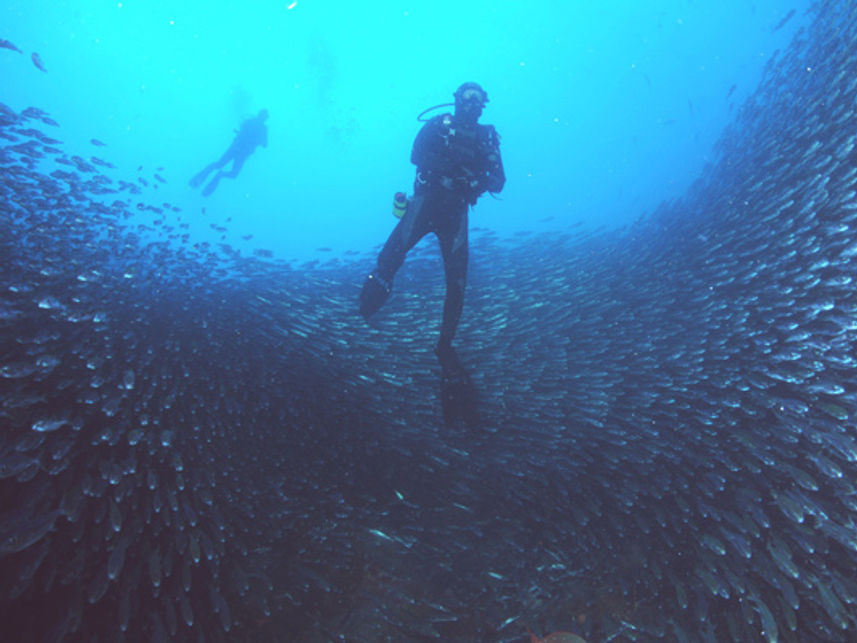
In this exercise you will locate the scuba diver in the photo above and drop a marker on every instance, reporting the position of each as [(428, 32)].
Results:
[(457, 160), (252, 133)]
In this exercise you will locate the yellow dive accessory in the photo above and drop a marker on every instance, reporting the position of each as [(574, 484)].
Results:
[(400, 205)]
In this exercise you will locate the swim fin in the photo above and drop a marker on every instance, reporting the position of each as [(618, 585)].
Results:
[(458, 395), (458, 400), (198, 178), (374, 294), (212, 185)]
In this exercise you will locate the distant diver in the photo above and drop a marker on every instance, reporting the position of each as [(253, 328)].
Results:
[(252, 133), (457, 160)]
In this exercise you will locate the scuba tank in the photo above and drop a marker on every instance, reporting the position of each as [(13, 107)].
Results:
[(400, 204)]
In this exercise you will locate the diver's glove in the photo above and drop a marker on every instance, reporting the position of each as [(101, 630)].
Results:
[(475, 187)]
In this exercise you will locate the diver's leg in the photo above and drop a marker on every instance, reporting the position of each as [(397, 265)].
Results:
[(237, 164), (457, 393), (231, 174), (200, 177), (212, 184), (412, 227), (453, 247)]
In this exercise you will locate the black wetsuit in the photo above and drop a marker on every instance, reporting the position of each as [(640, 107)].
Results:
[(455, 166)]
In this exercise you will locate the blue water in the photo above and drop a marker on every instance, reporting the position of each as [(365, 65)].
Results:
[(605, 109)]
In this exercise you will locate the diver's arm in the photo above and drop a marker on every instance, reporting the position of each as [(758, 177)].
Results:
[(490, 177), (427, 153)]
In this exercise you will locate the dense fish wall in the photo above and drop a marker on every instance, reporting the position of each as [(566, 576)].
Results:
[(198, 445)]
